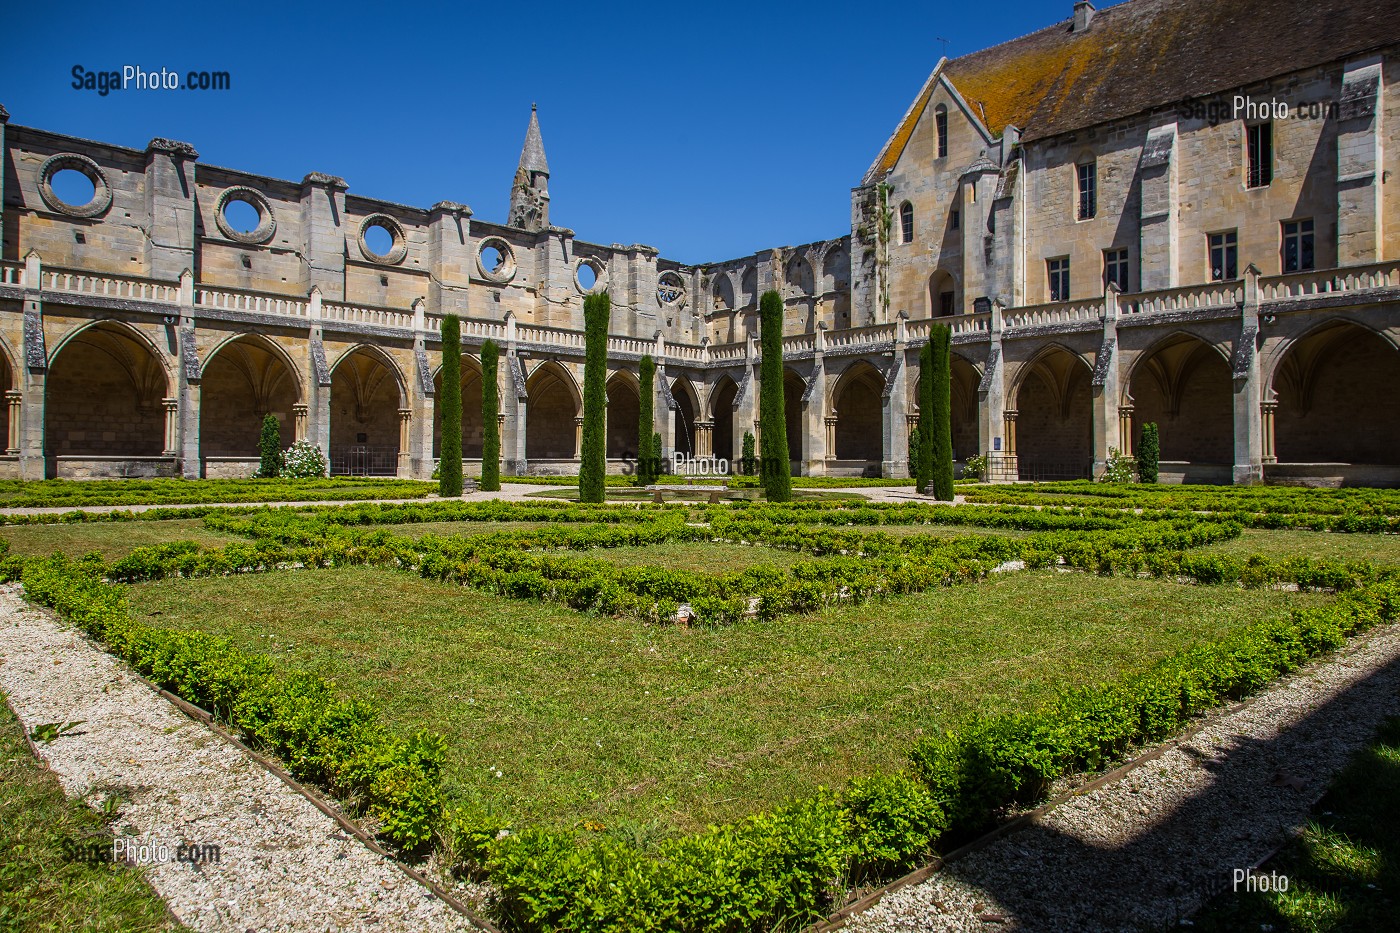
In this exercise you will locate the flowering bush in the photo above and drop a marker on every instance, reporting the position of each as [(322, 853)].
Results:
[(1119, 469), (975, 467), (303, 460)]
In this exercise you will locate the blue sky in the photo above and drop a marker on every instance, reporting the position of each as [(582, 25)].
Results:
[(708, 131)]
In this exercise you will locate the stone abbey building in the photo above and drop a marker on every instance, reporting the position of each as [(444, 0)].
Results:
[(1177, 211)]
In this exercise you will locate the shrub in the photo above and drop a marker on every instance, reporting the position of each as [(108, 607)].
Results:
[(941, 445), (450, 463), (774, 465), (648, 456), (303, 460), (916, 443), (1118, 469), (270, 447), (593, 467), (490, 418), (1149, 452), (975, 467), (749, 459)]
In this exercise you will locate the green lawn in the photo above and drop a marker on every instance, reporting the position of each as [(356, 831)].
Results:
[(110, 539), (607, 719), (43, 886), (1344, 872), (1381, 549)]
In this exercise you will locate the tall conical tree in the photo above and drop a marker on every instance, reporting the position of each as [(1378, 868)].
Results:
[(941, 453), (270, 447), (648, 465), (593, 465), (1149, 453), (773, 461), (490, 419), (450, 463), (924, 474)]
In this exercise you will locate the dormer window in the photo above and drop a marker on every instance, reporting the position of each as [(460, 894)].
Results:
[(940, 125), (906, 223)]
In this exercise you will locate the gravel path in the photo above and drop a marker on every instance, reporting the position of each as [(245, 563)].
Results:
[(1148, 849), (282, 864)]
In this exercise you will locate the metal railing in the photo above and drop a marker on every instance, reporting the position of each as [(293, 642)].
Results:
[(361, 460)]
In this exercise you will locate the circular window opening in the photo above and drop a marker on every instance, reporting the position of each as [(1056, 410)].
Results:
[(493, 260), (379, 239), (670, 288), (587, 276), (242, 216), (72, 187)]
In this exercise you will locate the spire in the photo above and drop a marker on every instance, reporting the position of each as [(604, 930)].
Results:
[(532, 155)]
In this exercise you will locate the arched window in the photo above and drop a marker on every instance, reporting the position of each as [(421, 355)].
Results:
[(940, 124), (906, 223)]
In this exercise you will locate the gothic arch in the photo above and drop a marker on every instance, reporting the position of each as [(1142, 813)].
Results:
[(794, 386), (624, 415), (687, 409), (1184, 385), (721, 401), (798, 276), (473, 430), (857, 402), (1054, 422), (131, 332), (722, 292), (104, 393), (943, 283), (367, 394), (381, 357), (244, 378), (553, 406)]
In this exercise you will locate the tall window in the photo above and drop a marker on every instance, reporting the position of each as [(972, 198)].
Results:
[(1260, 143), (955, 219), (1115, 268), (1088, 195), (945, 304), (940, 125), (1298, 245), (1224, 256), (1059, 278), (906, 223)]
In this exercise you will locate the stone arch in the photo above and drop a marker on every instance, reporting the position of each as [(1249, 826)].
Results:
[(858, 404), (687, 405), (836, 270), (624, 415), (473, 429), (798, 276), (1055, 418), (244, 378), (9, 367), (722, 415), (104, 394), (966, 377), (367, 392), (1184, 385), (794, 386), (722, 292), (748, 287), (554, 404), (1333, 388), (944, 295)]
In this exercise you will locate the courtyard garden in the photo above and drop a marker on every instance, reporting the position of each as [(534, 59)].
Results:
[(694, 716)]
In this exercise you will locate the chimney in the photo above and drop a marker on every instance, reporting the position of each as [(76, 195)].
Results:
[(1083, 15)]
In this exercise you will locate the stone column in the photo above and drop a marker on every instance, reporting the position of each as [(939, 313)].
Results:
[(895, 403), (1125, 428), (190, 379), (405, 466), (1157, 243), (1249, 465), (1106, 386), (299, 418), (1360, 165), (1269, 453), (172, 427), (32, 462), (704, 439), (578, 439), (831, 435), (1011, 464), (14, 399)]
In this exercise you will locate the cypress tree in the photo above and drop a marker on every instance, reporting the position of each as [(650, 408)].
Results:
[(940, 340), (749, 457), (450, 463), (1149, 453), (270, 447), (490, 418), (647, 465), (597, 309), (774, 465), (924, 475)]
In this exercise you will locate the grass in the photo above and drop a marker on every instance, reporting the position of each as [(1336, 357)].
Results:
[(1382, 549), (45, 887), (599, 718), (110, 539), (1344, 871), (63, 493)]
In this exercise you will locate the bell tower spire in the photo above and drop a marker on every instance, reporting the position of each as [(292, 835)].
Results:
[(529, 194)]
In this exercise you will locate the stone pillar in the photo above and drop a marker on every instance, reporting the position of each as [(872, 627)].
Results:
[(1125, 429), (991, 393), (299, 417), (405, 470), (14, 400), (895, 403), (1157, 244), (578, 439), (172, 427), (1360, 165), (189, 381), (1249, 463), (323, 233), (814, 447), (831, 435), (34, 373), (704, 439), (1106, 387), (170, 205), (1268, 453)]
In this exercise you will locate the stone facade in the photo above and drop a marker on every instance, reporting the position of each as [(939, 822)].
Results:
[(147, 332)]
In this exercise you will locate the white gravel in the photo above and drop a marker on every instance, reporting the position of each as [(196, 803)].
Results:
[(283, 864), (1147, 850)]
